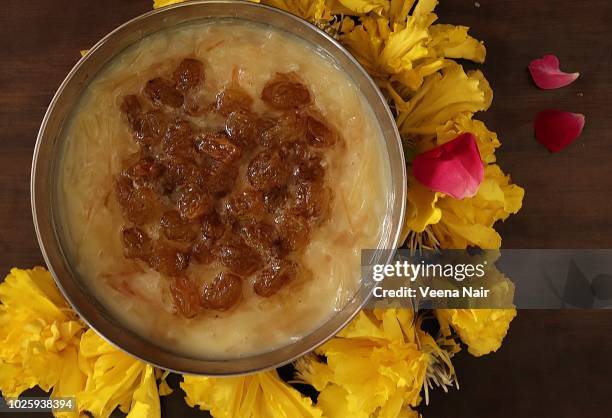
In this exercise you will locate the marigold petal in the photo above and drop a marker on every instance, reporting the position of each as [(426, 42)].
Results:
[(402, 48), (163, 388), (424, 8), (483, 330), (414, 77), (113, 378), (145, 400), (452, 41), (444, 97), (470, 222), (421, 210), (399, 9), (363, 326), (262, 395), (71, 380)]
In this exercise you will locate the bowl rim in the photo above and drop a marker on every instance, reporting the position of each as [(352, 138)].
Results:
[(41, 194)]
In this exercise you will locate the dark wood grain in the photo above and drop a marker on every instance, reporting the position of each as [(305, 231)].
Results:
[(553, 363)]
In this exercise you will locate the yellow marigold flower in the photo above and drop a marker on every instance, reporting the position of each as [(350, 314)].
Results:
[(398, 50), (469, 222), (461, 223), (422, 202), (443, 97), (439, 111), (39, 336), (401, 48), (262, 395), (115, 379), (375, 367), (483, 330)]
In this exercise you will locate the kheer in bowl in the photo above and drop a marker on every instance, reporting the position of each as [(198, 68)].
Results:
[(210, 184)]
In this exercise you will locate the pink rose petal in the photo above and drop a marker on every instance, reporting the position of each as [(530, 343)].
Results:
[(453, 168), (556, 129), (547, 75)]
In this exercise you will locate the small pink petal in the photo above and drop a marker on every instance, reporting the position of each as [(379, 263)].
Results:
[(547, 75), (453, 168), (556, 129)]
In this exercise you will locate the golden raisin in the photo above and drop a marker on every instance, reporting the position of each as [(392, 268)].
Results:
[(319, 134), (195, 168), (308, 169), (204, 248), (152, 128), (260, 236), (136, 243), (189, 74), (139, 204), (162, 91), (242, 204), (175, 228), (293, 231), (222, 293), (285, 91), (193, 202), (132, 109), (312, 199), (180, 172), (145, 170), (287, 129), (168, 260), (241, 127), (274, 199), (271, 280), (233, 98), (267, 170), (178, 140), (239, 257), (216, 145), (212, 227), (185, 296)]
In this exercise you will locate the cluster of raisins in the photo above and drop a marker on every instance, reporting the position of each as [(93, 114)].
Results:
[(184, 186)]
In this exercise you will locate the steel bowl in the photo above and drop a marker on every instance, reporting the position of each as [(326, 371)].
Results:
[(46, 166)]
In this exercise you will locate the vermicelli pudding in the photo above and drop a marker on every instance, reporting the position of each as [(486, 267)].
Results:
[(219, 180)]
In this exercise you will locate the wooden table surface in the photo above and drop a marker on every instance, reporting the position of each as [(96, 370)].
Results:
[(553, 363)]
